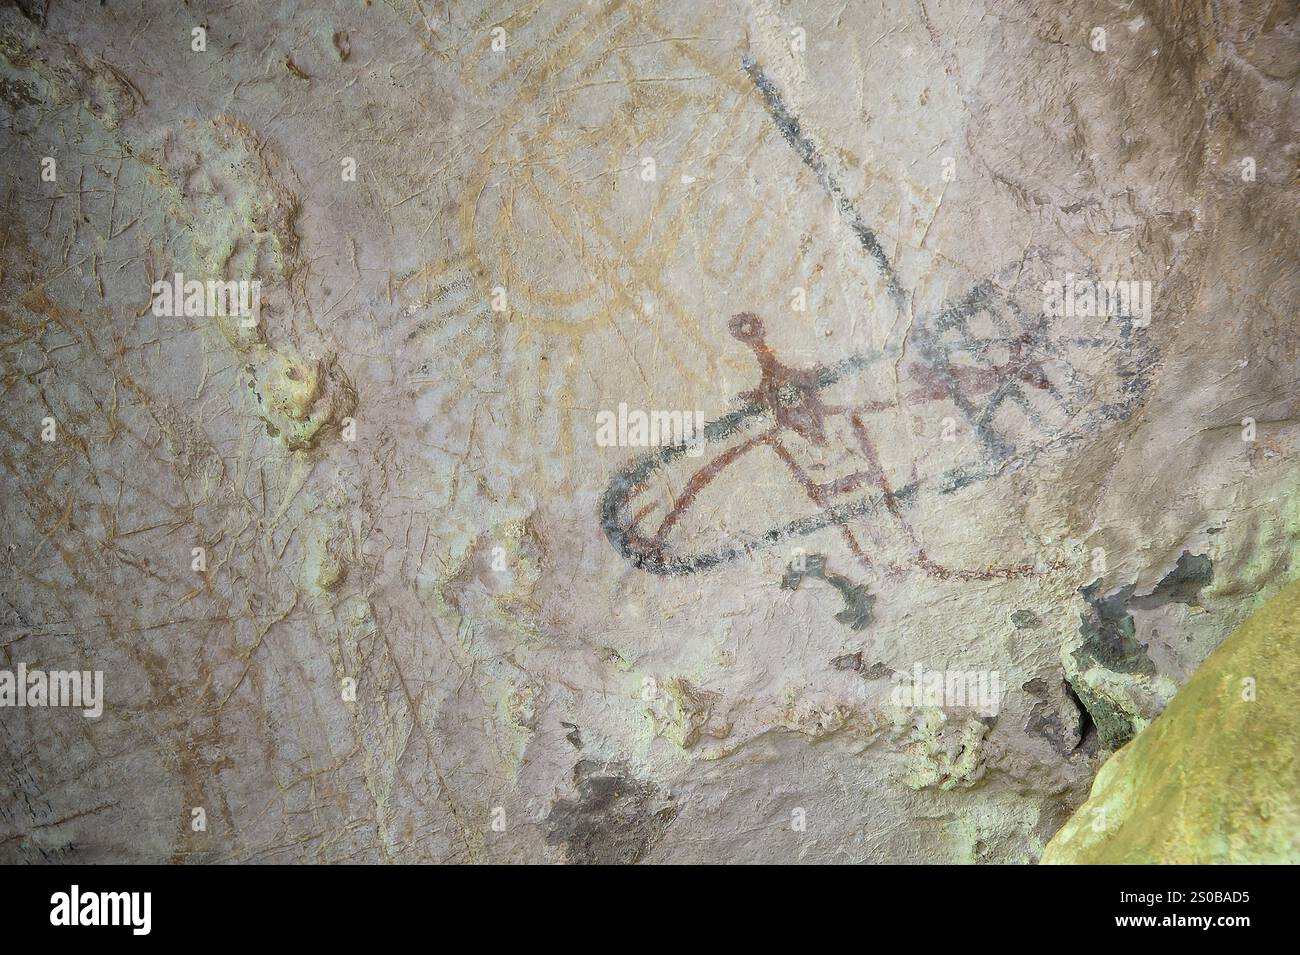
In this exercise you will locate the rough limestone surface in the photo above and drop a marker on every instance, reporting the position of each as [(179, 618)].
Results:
[(1216, 778), (393, 573)]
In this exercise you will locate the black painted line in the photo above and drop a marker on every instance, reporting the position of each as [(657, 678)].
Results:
[(807, 151)]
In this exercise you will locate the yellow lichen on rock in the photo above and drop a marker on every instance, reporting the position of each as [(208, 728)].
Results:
[(1216, 777), (294, 386), (684, 713), (304, 398)]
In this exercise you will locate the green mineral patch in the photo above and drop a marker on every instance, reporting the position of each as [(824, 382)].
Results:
[(1216, 777)]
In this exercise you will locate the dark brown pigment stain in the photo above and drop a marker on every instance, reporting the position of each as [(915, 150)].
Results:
[(616, 820)]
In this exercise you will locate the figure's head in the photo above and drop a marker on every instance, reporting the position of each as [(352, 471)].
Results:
[(746, 327)]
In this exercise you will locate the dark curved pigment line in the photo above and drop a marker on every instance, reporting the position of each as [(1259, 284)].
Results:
[(646, 554)]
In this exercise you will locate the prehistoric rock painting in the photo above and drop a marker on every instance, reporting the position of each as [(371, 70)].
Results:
[(1007, 375), (615, 431)]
